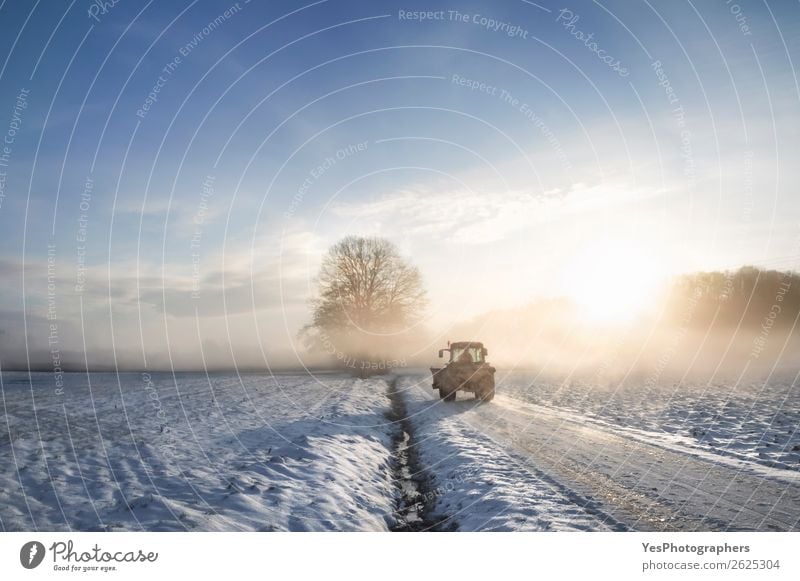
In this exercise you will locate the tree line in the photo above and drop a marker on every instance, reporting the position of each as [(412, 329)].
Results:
[(748, 298), (370, 302)]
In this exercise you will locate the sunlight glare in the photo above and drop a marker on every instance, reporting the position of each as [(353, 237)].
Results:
[(612, 281)]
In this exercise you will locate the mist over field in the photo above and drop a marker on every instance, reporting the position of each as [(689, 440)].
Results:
[(697, 326), (704, 324)]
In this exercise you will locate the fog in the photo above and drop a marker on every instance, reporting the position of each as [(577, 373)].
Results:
[(550, 338), (709, 325)]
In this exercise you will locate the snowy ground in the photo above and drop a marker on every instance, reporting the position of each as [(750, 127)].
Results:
[(632, 477), (290, 453), (757, 420), (475, 483)]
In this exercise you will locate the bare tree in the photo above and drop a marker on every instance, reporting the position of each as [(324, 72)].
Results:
[(367, 291)]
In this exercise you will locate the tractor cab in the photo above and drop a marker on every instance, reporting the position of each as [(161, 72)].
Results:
[(466, 352)]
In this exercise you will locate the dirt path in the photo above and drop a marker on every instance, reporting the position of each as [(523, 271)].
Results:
[(640, 483)]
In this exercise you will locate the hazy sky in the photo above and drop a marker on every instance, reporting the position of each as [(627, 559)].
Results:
[(185, 164)]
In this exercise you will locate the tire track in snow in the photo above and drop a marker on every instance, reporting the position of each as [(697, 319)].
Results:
[(480, 484), (644, 485)]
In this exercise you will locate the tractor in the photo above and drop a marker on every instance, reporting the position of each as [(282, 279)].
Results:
[(467, 370)]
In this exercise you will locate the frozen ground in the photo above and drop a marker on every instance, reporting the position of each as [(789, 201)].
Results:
[(631, 477), (196, 453), (757, 420), (291, 452), (475, 483)]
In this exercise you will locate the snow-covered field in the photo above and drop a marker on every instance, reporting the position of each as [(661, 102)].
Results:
[(294, 452), (628, 477), (195, 453), (756, 419)]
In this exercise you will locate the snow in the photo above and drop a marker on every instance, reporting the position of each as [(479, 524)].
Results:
[(628, 476), (756, 419), (214, 453), (475, 482), (291, 452)]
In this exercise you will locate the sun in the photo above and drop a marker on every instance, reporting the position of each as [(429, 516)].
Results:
[(612, 281)]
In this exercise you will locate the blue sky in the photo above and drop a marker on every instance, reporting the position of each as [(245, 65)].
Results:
[(494, 190)]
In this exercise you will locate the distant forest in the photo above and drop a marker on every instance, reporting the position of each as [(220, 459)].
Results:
[(749, 298), (702, 320)]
